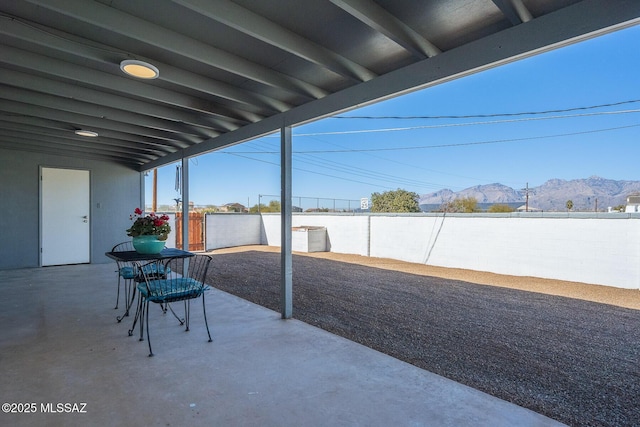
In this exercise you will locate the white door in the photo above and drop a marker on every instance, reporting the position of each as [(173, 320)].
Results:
[(65, 216)]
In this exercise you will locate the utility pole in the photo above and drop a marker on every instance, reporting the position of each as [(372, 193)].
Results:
[(526, 197), (154, 203)]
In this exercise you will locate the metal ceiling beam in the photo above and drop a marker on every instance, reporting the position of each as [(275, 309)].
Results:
[(26, 146), (56, 40), (384, 22), (125, 86), (79, 146), (514, 10), (251, 106), (183, 132), (257, 26), (580, 21), (176, 141), (65, 90), (65, 137), (42, 125), (127, 25)]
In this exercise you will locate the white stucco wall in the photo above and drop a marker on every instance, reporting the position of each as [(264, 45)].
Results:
[(345, 233), (582, 249), (270, 233), (591, 248), (227, 230)]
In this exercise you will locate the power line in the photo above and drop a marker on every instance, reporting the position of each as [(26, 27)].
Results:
[(354, 170), (313, 172), (368, 174), (422, 168), (523, 113), (402, 180), (459, 144), (450, 125)]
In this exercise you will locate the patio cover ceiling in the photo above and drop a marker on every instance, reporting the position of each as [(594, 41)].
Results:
[(234, 70)]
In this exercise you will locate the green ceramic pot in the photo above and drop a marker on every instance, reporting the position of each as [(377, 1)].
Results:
[(148, 244)]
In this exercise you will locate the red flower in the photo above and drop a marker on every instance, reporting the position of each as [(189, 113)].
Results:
[(149, 225)]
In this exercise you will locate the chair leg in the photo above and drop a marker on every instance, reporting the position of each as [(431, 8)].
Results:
[(174, 313), (129, 296), (144, 309), (204, 311), (118, 294), (147, 320), (136, 317), (187, 311)]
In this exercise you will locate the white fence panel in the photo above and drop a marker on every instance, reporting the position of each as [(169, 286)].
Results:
[(346, 234), (591, 248), (228, 230)]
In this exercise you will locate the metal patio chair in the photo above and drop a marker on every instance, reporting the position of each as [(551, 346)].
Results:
[(129, 274), (126, 274), (184, 281)]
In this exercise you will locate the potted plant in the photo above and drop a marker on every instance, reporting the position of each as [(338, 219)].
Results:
[(149, 232)]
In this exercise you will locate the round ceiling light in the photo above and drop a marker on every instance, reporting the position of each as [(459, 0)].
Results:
[(88, 133), (139, 69)]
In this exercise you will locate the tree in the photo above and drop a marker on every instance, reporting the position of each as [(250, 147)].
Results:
[(500, 208), (274, 206), (395, 201), (463, 205), (569, 205)]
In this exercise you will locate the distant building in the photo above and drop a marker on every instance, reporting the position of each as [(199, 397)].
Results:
[(633, 204), (233, 207)]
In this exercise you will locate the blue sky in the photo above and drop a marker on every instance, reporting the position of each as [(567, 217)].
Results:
[(351, 158)]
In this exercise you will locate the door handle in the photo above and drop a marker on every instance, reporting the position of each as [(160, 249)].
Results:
[(85, 218)]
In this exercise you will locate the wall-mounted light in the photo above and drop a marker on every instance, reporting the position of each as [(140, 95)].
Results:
[(139, 69), (89, 133)]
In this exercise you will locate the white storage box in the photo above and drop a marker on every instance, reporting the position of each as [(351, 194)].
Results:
[(309, 239)]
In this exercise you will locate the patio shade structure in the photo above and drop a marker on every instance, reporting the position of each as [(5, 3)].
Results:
[(224, 72)]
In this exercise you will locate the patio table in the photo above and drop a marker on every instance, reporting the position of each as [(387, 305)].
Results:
[(140, 259), (133, 256)]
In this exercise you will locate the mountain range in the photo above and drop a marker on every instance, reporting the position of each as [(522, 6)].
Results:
[(590, 194)]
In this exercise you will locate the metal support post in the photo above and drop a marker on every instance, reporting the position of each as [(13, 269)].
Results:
[(286, 259)]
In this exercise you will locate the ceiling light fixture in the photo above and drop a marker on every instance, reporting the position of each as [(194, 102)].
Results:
[(88, 133), (139, 69)]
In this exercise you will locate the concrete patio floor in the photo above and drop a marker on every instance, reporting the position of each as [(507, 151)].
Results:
[(60, 343)]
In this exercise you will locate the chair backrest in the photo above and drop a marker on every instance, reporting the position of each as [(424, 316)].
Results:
[(125, 269), (123, 247), (176, 285), (198, 267)]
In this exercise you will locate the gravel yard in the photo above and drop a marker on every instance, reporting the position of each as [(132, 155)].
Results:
[(567, 350)]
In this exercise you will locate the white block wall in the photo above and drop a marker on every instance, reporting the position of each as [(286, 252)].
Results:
[(228, 230), (347, 234), (171, 239), (591, 248), (271, 230)]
